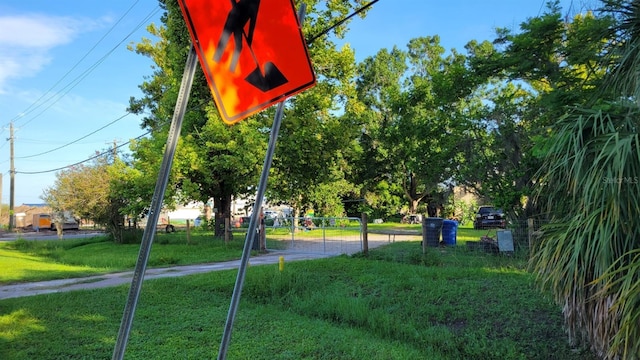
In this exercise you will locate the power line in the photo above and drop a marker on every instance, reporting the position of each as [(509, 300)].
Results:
[(33, 105), (75, 141), (323, 32), (83, 161), (54, 98)]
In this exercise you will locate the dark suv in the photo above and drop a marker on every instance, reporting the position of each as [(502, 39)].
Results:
[(488, 217)]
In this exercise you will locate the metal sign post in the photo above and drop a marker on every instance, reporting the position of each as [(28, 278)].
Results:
[(156, 205), (251, 231), (251, 234)]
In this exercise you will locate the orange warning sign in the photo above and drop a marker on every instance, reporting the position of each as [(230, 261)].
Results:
[(252, 52)]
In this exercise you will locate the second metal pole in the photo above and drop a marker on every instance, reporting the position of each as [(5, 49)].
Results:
[(251, 234), (251, 231)]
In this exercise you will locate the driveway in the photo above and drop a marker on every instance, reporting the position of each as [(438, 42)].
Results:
[(48, 235), (121, 278), (301, 250)]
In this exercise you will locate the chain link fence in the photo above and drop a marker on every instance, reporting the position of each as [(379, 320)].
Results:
[(522, 236), (328, 235), (344, 235)]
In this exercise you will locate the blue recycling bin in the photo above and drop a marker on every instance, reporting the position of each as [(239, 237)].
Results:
[(431, 229), (449, 232)]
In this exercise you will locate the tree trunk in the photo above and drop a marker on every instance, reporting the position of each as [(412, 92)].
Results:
[(223, 211), (410, 190), (413, 208)]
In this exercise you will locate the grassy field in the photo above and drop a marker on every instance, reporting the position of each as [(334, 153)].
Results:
[(25, 260), (56, 259), (396, 303)]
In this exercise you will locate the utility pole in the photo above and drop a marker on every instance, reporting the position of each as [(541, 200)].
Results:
[(12, 180), (0, 196)]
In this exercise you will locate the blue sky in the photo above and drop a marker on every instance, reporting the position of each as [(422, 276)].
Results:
[(66, 76)]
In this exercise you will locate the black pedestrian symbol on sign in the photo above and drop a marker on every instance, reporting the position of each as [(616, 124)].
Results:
[(242, 12)]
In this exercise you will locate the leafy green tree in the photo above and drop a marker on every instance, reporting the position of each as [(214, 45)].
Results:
[(213, 160), (555, 57), (497, 161), (218, 162), (88, 192), (550, 64), (378, 90), (416, 101), (159, 90), (311, 167), (425, 131)]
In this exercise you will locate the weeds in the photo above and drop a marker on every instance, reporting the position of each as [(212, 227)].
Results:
[(395, 303)]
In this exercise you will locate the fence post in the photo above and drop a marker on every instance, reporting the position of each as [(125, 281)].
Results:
[(530, 230), (188, 232), (227, 230), (424, 235), (365, 235), (324, 234), (262, 232)]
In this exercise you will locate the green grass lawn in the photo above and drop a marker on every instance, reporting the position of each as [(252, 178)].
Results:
[(24, 260), (28, 260), (395, 303)]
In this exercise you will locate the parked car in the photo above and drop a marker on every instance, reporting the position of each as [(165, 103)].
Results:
[(270, 214), (489, 217), (412, 219)]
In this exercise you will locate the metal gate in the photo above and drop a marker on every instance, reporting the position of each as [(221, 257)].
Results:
[(326, 235)]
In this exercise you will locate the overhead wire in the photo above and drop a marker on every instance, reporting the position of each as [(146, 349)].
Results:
[(74, 141), (325, 31), (74, 83), (54, 98), (83, 161), (36, 104)]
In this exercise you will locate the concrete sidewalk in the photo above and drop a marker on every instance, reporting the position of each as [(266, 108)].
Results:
[(114, 279)]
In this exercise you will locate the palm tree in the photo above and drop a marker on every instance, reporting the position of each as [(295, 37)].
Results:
[(589, 254)]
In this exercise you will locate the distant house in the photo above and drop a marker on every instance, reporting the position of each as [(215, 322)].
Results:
[(463, 194), (183, 213)]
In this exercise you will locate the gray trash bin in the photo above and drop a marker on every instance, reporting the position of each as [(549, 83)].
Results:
[(431, 230)]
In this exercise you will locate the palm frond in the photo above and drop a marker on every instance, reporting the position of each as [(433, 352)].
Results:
[(591, 190)]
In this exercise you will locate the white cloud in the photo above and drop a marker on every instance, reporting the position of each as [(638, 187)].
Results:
[(36, 31), (26, 40)]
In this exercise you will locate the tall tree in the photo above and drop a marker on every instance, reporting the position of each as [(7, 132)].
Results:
[(549, 64), (379, 88), (311, 162), (88, 192), (497, 161), (217, 161), (431, 113), (213, 161), (415, 105)]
